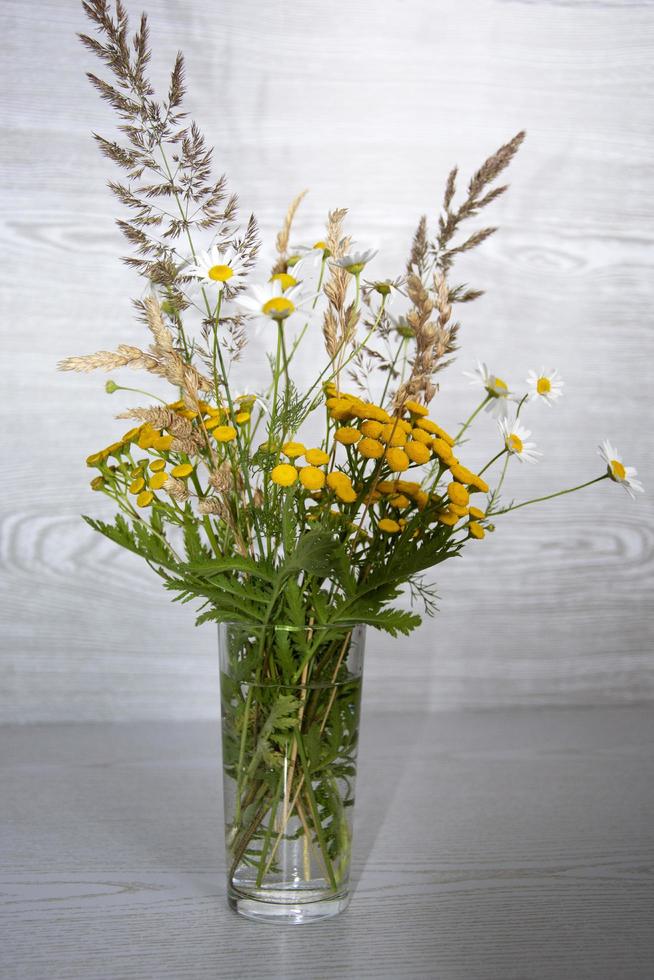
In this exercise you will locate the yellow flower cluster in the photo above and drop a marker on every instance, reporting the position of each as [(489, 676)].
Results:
[(215, 421), (395, 443)]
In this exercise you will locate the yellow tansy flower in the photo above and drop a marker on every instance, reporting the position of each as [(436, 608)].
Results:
[(144, 499), (157, 464), (415, 409), (316, 457), (157, 480), (132, 434), (476, 513), (284, 475), (137, 485), (337, 479), (462, 473), (458, 494), (459, 510), (147, 437), (416, 452), (397, 459), (293, 449), (419, 435), (162, 443), (94, 459), (347, 435), (312, 478), (345, 493), (388, 526), (97, 483), (407, 486), (399, 500), (476, 530), (480, 484), (370, 449), (224, 433), (371, 429), (181, 471), (443, 451), (393, 434), (447, 517), (339, 409), (241, 418)]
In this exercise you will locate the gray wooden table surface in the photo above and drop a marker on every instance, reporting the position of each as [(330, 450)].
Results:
[(489, 844)]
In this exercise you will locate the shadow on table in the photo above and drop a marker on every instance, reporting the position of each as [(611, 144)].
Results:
[(388, 740)]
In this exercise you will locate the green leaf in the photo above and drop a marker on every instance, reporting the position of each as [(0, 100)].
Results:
[(315, 553), (260, 569), (393, 621)]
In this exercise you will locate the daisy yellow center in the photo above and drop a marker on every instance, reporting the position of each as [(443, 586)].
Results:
[(320, 246), (502, 385), (278, 307), (543, 386), (285, 280), (618, 469), (515, 443), (220, 273)]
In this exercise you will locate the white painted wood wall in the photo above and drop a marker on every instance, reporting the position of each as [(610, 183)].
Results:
[(368, 104)]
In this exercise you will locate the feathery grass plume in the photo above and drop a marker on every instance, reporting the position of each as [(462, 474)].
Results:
[(340, 319), (426, 335), (419, 256), (284, 235), (163, 338), (104, 360), (169, 186), (479, 196), (160, 418)]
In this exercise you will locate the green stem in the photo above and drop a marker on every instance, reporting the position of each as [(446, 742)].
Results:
[(491, 461), (520, 404), (472, 417), (550, 496), (141, 391), (269, 831), (390, 373), (496, 491), (315, 812)]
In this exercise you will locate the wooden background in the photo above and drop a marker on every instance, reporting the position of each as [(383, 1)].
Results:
[(368, 104)]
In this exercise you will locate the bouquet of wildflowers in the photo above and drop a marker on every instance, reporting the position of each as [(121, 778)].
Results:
[(313, 509)]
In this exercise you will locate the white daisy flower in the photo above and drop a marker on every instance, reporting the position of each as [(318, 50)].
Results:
[(493, 386), (545, 386), (272, 300), (286, 280), (216, 267), (619, 473), (515, 439), (310, 253), (355, 262)]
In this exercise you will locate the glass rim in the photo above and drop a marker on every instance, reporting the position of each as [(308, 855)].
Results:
[(288, 628)]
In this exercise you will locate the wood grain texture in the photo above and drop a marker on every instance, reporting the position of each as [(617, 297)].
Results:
[(501, 845), (368, 104)]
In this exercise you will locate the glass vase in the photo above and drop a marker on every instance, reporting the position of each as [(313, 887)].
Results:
[(290, 700)]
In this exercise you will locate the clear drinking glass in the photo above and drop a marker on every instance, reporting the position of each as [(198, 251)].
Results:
[(290, 700)]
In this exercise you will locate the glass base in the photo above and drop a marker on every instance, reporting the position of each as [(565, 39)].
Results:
[(293, 906)]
